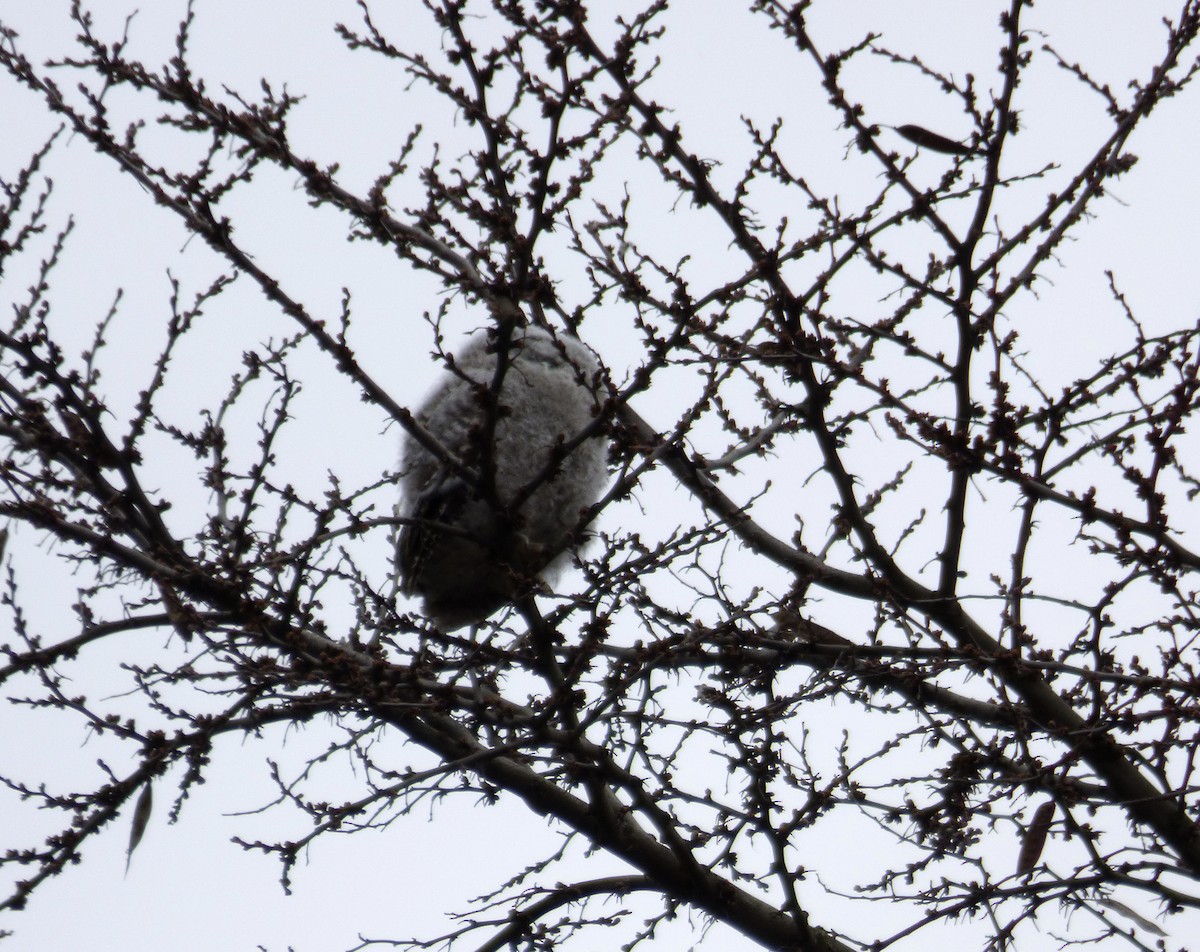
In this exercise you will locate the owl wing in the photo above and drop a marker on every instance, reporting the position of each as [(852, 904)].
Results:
[(434, 512)]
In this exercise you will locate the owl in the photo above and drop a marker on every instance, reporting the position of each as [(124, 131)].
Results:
[(468, 551)]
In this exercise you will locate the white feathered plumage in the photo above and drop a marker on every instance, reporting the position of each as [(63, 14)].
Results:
[(468, 555)]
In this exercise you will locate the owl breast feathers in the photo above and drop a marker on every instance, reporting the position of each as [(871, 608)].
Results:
[(467, 548)]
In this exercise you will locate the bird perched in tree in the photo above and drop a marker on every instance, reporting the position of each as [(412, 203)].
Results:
[(480, 534)]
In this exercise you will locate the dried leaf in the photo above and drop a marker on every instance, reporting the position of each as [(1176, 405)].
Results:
[(1035, 838), (931, 140), (1131, 915), (141, 817)]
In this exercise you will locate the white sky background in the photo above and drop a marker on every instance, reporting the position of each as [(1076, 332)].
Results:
[(189, 888)]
